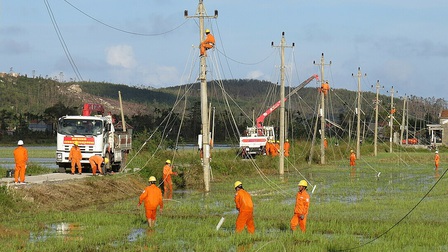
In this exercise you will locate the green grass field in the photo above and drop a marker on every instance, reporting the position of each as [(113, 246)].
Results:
[(404, 209)]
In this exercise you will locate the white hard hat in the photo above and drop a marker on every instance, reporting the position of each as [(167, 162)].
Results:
[(437, 151), (20, 142)]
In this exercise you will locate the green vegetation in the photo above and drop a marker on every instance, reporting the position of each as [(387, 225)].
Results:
[(401, 210)]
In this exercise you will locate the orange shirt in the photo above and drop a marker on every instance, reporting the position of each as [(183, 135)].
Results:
[(243, 201), (152, 197), (210, 39), (20, 155), (167, 171), (302, 202), (436, 158), (96, 159), (75, 153)]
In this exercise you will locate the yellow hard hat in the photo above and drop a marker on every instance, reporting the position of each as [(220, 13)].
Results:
[(152, 179), (287, 140), (76, 143), (106, 160), (237, 183), (207, 31), (168, 161), (303, 183), (351, 151)]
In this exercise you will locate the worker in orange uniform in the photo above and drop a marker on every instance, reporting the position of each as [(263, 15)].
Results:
[(267, 147), (286, 147), (325, 143), (325, 88), (436, 160), (21, 159), (96, 162), (208, 43), (167, 182), (352, 159), (152, 197), (275, 149), (245, 207), (301, 208), (75, 157)]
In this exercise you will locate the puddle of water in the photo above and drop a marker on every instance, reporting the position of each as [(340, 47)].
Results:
[(136, 234), (62, 230)]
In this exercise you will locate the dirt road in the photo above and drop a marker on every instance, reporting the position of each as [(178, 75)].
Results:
[(45, 178)]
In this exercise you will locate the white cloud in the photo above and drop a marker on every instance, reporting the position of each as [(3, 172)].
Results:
[(161, 75), (257, 74), (121, 55)]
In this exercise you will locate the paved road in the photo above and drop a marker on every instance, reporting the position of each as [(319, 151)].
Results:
[(45, 178)]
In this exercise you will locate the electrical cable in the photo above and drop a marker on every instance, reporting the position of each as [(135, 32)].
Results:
[(124, 31)]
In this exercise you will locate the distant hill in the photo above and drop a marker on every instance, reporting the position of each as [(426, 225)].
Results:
[(238, 100)]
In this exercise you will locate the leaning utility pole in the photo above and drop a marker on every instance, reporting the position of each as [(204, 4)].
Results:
[(200, 14), (375, 143), (322, 110), (282, 102), (358, 113)]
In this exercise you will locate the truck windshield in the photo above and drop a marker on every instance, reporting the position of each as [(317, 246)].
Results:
[(80, 127)]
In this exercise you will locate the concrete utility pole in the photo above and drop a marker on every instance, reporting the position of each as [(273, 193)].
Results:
[(358, 113), (375, 140), (403, 121), (391, 122), (200, 14), (282, 103), (322, 110)]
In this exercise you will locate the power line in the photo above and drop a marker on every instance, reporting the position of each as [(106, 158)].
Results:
[(62, 41), (121, 30)]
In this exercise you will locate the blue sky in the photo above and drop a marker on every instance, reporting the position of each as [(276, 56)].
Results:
[(150, 43)]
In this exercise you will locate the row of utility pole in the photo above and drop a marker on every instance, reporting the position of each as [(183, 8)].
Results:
[(205, 117)]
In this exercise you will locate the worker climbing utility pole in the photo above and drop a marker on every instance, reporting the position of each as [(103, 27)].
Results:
[(375, 140), (358, 113), (201, 15), (282, 103), (322, 108)]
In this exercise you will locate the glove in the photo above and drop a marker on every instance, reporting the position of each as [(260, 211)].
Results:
[(139, 204), (302, 216)]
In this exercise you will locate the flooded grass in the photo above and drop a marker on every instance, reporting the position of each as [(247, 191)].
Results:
[(349, 211)]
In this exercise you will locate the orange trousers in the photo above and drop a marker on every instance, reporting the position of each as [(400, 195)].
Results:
[(151, 214), (78, 163), (95, 167), (19, 172), (245, 219), (168, 187), (437, 164), (296, 221), (205, 47)]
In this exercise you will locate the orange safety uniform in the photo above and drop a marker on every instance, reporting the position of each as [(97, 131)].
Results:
[(286, 147), (152, 197), (20, 158), (325, 143), (275, 149), (352, 159), (325, 88), (167, 182), (436, 160), (301, 208), (267, 148), (208, 43), (95, 163), (245, 206), (75, 156)]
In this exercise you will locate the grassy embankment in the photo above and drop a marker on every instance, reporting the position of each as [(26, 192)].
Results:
[(348, 209)]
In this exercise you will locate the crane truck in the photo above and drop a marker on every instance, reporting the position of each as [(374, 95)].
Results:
[(254, 138), (95, 134)]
